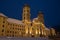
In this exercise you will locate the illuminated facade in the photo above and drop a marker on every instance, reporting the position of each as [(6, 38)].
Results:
[(10, 27)]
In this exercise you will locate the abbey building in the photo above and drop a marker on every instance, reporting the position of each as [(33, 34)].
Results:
[(10, 27)]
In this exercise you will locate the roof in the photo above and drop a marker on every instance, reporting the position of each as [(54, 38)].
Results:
[(47, 28), (1, 14), (35, 19), (40, 12), (11, 20)]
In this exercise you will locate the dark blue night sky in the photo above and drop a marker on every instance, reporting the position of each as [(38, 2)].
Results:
[(51, 9)]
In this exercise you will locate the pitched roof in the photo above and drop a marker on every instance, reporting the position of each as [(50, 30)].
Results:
[(1, 14), (11, 20)]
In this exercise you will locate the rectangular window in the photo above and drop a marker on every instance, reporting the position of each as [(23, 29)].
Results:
[(13, 35), (3, 21), (24, 17), (13, 27), (2, 30), (7, 35), (10, 31), (3, 26)]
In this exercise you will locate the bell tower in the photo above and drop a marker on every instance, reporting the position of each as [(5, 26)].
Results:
[(26, 13), (40, 16)]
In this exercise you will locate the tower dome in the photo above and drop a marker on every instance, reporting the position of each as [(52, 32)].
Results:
[(26, 5)]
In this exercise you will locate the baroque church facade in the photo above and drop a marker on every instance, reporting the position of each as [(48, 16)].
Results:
[(10, 27)]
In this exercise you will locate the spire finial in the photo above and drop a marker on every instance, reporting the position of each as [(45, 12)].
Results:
[(26, 5), (40, 12)]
